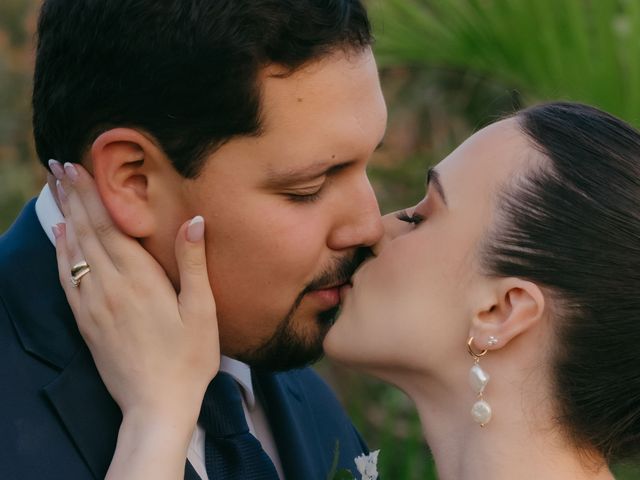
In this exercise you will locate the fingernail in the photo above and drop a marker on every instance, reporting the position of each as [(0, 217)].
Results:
[(57, 230), (71, 170), (56, 168), (62, 195), (195, 230)]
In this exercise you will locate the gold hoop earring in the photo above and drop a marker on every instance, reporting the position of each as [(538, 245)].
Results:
[(478, 379)]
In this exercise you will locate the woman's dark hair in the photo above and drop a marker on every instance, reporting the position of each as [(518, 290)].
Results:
[(572, 225), (186, 71)]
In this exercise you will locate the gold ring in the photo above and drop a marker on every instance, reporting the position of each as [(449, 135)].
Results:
[(79, 267), (471, 352), (78, 271)]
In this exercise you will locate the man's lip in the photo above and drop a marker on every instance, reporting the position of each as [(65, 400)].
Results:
[(328, 297)]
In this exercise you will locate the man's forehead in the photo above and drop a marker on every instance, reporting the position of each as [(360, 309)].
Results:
[(317, 81)]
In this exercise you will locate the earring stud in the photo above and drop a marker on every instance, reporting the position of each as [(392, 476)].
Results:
[(492, 341)]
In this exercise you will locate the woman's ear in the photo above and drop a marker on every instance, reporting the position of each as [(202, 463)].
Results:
[(512, 306), (122, 160)]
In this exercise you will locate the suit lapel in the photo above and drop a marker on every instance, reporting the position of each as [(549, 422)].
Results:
[(90, 414), (288, 415), (87, 410), (36, 303)]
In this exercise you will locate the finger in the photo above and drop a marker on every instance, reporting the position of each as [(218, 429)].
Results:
[(77, 257), (74, 252), (195, 299), (81, 244), (80, 217), (92, 220), (64, 266), (61, 194), (74, 294)]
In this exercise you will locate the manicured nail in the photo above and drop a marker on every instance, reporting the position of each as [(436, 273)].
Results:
[(62, 195), (195, 230), (56, 168), (71, 170)]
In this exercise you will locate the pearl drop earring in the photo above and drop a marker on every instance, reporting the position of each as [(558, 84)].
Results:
[(478, 378)]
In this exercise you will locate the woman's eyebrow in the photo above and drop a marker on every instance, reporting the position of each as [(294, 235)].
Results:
[(433, 180)]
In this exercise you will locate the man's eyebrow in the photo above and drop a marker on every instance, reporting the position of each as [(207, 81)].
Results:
[(277, 178), (292, 176), (433, 179)]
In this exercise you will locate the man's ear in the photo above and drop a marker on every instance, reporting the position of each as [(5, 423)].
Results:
[(511, 307), (122, 159)]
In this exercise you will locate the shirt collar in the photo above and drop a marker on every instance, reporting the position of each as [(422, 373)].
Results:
[(241, 372), (48, 212), (49, 215)]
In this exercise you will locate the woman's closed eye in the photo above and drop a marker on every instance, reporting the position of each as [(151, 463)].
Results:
[(415, 218)]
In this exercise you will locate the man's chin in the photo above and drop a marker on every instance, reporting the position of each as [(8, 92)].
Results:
[(288, 349)]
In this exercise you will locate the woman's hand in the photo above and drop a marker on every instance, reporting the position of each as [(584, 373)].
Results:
[(156, 350)]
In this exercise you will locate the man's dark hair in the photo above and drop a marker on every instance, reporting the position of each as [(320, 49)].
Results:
[(185, 71), (572, 225)]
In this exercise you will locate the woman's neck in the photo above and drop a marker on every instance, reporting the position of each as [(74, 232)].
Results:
[(520, 441)]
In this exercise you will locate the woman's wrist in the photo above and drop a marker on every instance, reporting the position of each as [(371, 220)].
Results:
[(174, 416), (152, 444), (148, 425)]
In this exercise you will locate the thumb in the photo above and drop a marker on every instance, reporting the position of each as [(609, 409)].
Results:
[(195, 298)]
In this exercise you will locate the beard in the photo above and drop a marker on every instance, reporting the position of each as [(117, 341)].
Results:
[(288, 348)]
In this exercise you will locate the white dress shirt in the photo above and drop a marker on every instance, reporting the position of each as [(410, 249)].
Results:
[(49, 215)]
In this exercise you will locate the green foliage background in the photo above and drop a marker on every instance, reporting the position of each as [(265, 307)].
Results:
[(448, 67)]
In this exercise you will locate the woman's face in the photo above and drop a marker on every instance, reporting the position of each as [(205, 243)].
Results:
[(411, 306)]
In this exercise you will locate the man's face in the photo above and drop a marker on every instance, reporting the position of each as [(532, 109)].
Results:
[(288, 212)]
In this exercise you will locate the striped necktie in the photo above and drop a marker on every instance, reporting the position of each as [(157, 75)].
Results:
[(231, 451)]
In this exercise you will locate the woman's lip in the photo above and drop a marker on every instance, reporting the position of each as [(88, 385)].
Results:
[(329, 297)]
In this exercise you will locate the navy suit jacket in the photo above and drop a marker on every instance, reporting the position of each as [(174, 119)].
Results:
[(57, 419)]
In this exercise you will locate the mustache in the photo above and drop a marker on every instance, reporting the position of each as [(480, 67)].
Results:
[(340, 273)]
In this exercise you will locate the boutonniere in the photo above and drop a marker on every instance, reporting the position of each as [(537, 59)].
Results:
[(367, 466)]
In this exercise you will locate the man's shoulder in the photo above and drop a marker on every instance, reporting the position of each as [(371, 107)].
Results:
[(12, 241), (309, 387), (18, 253), (13, 253), (311, 384), (329, 416), (305, 380)]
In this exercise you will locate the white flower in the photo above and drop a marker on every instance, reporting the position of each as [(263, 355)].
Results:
[(368, 465)]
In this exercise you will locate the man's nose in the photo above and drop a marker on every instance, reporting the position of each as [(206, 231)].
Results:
[(361, 223)]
